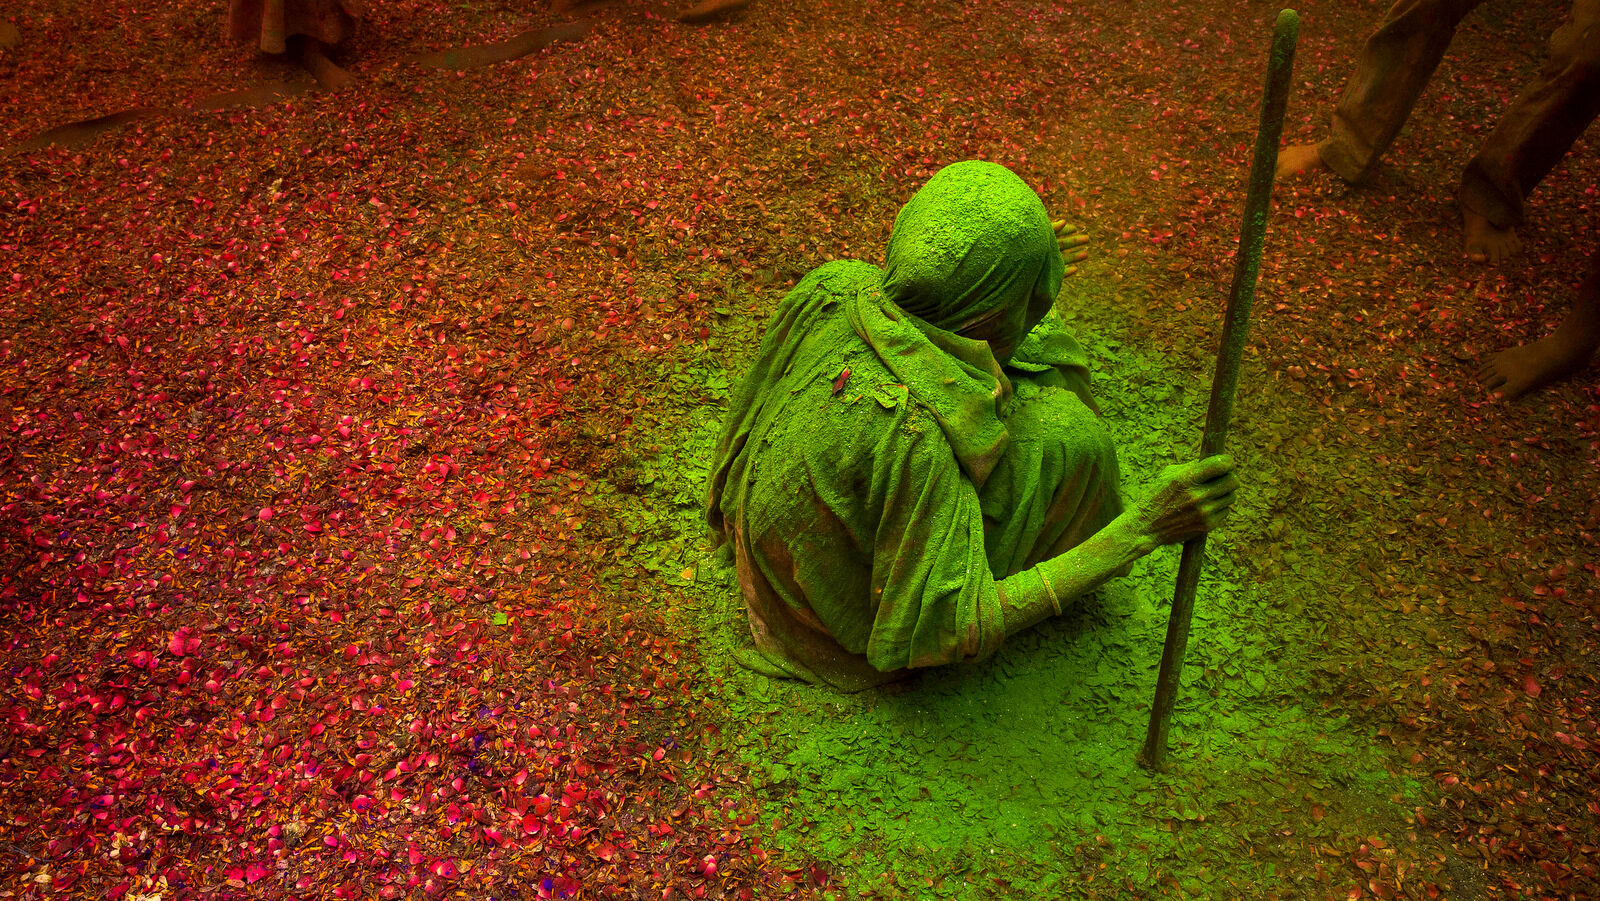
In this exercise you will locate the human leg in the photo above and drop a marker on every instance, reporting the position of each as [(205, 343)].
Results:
[(308, 29), (1391, 70), (259, 22), (1532, 136)]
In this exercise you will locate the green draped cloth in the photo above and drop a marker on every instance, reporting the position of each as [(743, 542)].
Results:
[(880, 469)]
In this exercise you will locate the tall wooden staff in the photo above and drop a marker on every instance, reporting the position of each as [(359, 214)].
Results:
[(1226, 380)]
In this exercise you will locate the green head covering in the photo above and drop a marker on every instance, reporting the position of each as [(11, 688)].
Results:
[(972, 258), (973, 253)]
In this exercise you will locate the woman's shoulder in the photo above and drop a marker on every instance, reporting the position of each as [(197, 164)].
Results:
[(842, 275), (824, 288)]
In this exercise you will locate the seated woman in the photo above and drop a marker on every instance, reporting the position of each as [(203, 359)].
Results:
[(914, 468)]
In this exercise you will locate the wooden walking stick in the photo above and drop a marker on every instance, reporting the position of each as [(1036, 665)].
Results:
[(1226, 380)]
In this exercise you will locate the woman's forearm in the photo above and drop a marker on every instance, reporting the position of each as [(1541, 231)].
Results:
[(1036, 594)]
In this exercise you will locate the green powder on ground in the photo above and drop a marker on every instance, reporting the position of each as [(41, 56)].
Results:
[(1016, 777)]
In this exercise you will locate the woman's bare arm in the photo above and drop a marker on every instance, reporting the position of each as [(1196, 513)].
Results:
[(1188, 501)]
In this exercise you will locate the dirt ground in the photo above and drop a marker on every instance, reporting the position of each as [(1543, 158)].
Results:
[(353, 445)]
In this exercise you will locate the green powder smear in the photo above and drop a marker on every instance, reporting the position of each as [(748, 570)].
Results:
[(1015, 777)]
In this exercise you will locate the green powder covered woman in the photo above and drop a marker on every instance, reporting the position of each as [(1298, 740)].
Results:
[(914, 467)]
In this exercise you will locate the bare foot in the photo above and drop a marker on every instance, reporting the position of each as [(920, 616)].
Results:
[(1298, 159), (1486, 243), (1513, 373), (314, 56)]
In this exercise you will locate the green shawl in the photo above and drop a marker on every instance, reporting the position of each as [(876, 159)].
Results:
[(861, 527)]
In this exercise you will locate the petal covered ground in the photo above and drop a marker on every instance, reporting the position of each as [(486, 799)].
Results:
[(347, 534)]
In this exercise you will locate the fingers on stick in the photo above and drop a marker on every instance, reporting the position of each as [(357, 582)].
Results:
[(1211, 468)]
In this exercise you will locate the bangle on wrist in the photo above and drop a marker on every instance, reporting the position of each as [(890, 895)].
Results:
[(1055, 602)]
